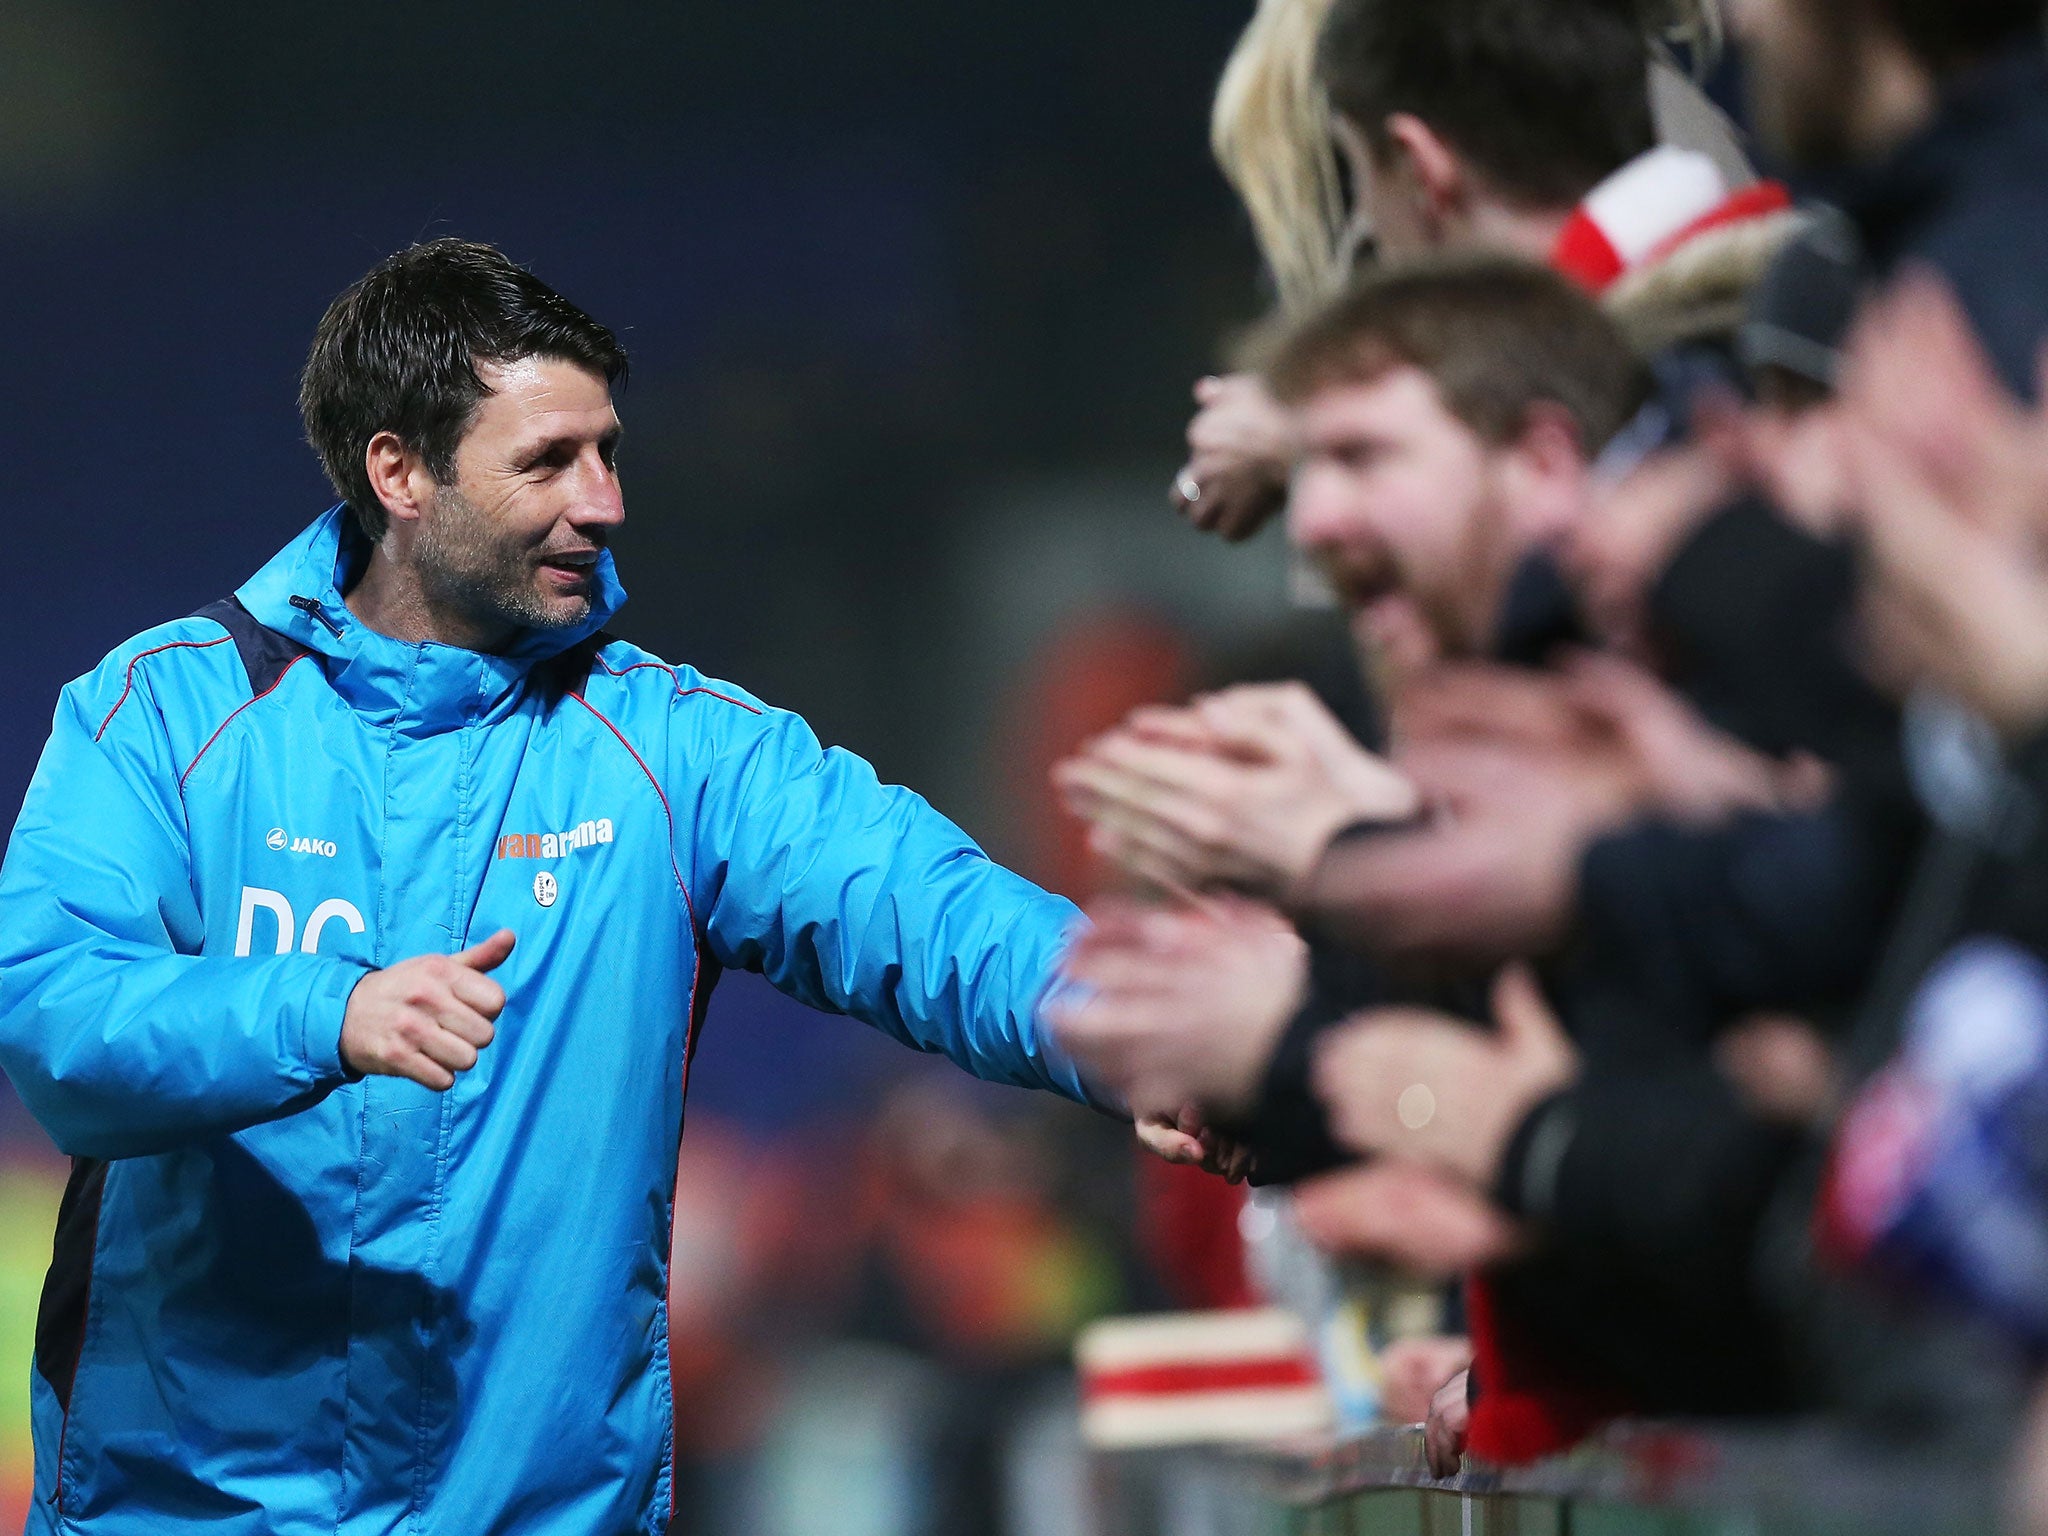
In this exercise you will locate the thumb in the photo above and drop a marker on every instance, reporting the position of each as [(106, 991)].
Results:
[(1160, 1135), (1520, 1009), (490, 954)]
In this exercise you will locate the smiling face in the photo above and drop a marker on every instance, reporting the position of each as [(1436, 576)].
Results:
[(511, 542), (1397, 499)]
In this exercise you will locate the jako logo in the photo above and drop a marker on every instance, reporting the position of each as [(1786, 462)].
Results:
[(277, 840), (552, 845), (256, 899)]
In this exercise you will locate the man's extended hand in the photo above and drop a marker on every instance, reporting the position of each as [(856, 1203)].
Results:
[(1174, 1008), (1187, 1139), (427, 1017)]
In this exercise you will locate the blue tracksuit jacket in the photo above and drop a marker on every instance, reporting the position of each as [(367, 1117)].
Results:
[(282, 1301)]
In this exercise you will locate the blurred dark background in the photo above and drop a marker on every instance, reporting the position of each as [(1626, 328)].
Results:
[(872, 262), (914, 293)]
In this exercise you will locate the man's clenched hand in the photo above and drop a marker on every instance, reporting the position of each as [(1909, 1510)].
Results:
[(427, 1017), (1186, 1138)]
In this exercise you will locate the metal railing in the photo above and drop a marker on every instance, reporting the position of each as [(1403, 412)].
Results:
[(1638, 1480)]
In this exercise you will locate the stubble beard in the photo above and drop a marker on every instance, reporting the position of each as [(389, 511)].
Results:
[(466, 566), (1465, 605)]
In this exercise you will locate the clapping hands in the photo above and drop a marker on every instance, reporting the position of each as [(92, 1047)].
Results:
[(1947, 479), (1242, 789)]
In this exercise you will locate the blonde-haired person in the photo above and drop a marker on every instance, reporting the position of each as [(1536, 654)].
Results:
[(1274, 137), (1557, 130)]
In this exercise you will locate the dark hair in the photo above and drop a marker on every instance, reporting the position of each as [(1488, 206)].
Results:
[(1946, 35), (398, 352), (1543, 97), (1498, 336)]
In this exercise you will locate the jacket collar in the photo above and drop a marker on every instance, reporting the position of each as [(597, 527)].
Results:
[(299, 594)]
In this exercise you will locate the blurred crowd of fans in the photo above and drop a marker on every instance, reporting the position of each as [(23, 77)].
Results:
[(1642, 931), (1662, 958)]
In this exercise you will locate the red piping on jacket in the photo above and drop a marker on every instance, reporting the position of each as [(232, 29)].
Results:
[(681, 691), (128, 680), (266, 693)]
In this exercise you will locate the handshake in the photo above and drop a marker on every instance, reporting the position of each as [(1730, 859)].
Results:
[(1251, 817)]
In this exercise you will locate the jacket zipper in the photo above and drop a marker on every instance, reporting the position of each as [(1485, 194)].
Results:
[(312, 609)]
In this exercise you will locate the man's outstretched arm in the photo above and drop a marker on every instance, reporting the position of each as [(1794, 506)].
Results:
[(860, 898)]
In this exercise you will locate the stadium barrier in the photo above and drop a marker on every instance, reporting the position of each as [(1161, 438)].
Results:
[(1638, 1480)]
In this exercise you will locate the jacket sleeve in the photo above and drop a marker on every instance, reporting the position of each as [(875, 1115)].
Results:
[(859, 898), (121, 1038)]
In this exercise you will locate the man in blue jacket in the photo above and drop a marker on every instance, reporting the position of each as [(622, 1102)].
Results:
[(353, 941)]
